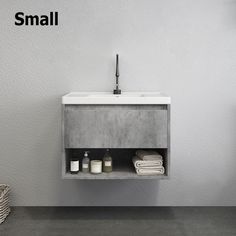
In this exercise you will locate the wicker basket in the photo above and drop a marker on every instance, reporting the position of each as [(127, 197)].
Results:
[(4, 202)]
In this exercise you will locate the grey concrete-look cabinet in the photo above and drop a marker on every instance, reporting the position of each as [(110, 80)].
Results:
[(117, 127)]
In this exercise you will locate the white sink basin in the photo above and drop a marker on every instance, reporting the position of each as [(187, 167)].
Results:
[(109, 98)]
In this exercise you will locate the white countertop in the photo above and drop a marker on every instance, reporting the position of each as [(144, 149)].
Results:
[(110, 98)]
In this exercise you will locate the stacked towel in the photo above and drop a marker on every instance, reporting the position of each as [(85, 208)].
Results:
[(148, 155), (139, 163), (148, 163)]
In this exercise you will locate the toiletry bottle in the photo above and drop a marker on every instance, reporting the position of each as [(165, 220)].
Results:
[(85, 162), (107, 162), (74, 164)]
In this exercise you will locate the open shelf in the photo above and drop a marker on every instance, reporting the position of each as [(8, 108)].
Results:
[(123, 167), (119, 174)]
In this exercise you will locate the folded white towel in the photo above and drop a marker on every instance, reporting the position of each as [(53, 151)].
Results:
[(138, 163), (150, 171), (148, 155)]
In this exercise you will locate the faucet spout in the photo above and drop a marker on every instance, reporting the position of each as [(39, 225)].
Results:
[(117, 65), (117, 90)]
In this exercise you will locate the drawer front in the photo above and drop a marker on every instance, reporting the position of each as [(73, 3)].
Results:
[(115, 126)]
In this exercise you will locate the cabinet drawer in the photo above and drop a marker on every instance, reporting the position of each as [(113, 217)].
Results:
[(130, 126)]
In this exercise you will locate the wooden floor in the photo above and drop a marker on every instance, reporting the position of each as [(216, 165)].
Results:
[(120, 221)]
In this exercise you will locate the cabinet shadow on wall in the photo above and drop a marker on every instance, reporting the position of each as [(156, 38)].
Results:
[(109, 193)]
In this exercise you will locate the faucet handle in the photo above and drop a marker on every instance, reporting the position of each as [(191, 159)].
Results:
[(116, 91)]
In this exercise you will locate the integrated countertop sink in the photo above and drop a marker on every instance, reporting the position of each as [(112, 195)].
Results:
[(110, 98)]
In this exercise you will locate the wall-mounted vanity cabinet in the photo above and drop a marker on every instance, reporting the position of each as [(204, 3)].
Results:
[(123, 123)]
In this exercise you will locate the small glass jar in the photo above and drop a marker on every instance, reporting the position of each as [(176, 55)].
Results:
[(96, 166), (74, 165)]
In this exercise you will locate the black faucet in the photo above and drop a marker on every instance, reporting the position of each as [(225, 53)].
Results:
[(117, 90)]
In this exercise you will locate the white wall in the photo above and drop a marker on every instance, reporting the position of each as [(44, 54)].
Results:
[(184, 48)]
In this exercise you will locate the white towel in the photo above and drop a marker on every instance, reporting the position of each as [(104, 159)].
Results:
[(138, 163), (148, 155), (150, 171)]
